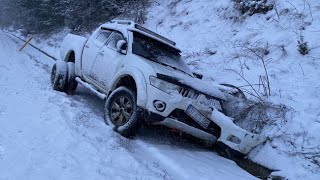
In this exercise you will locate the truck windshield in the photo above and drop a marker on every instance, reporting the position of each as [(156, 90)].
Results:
[(157, 51)]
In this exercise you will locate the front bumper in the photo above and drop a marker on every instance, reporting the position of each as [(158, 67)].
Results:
[(230, 134), (234, 136)]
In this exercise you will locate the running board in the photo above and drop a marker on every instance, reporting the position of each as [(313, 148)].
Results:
[(173, 123), (91, 88)]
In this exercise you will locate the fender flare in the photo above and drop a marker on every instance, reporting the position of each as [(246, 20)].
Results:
[(73, 43), (140, 81)]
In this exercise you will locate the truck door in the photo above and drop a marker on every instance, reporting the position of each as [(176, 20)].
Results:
[(108, 61), (91, 50)]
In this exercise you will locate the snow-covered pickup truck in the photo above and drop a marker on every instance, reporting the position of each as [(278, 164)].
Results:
[(142, 77)]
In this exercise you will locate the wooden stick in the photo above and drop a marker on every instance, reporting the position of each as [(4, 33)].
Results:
[(45, 53), (25, 44)]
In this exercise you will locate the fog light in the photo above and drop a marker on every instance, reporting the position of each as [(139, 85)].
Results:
[(159, 105), (234, 139)]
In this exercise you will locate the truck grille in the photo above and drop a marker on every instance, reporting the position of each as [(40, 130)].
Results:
[(188, 93)]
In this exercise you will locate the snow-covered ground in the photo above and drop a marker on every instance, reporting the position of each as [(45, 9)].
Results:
[(46, 134), (223, 45)]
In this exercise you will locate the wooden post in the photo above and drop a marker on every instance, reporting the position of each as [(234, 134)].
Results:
[(25, 44)]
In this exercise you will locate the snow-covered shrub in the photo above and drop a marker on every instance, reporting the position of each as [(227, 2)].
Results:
[(258, 116), (256, 52), (251, 7), (303, 47)]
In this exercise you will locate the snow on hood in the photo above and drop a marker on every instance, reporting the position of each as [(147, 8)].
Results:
[(203, 86)]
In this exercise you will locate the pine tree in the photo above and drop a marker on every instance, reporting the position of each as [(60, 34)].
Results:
[(45, 16)]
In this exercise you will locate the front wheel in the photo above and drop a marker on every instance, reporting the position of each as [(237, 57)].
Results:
[(59, 74), (121, 112)]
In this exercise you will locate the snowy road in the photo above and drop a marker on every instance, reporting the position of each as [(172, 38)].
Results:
[(45, 134)]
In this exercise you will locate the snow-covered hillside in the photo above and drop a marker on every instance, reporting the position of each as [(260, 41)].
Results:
[(45, 134), (228, 47)]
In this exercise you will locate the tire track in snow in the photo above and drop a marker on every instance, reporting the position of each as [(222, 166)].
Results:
[(1, 151), (81, 122), (81, 149)]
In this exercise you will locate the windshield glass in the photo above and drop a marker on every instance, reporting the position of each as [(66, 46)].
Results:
[(158, 52)]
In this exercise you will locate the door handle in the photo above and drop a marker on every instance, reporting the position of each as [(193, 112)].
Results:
[(101, 52), (87, 46)]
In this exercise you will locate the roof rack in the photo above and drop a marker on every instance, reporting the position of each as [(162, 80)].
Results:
[(141, 28)]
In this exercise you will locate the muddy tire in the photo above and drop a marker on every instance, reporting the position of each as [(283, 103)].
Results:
[(59, 73), (121, 112), (71, 83)]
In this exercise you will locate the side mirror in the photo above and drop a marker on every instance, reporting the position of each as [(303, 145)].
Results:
[(122, 46)]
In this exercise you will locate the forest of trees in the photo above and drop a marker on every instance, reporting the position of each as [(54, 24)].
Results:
[(46, 16)]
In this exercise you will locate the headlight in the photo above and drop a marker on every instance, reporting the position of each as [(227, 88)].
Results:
[(164, 85)]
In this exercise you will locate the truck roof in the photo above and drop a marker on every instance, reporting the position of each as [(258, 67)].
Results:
[(132, 26)]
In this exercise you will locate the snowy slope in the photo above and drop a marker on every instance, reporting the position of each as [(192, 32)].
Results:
[(46, 134), (217, 43)]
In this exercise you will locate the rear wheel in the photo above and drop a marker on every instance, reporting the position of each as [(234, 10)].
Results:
[(121, 112), (71, 83), (59, 74)]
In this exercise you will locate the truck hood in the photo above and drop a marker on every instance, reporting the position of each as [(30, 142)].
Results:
[(187, 79)]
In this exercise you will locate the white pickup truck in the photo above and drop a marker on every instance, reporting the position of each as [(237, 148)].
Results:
[(142, 77)]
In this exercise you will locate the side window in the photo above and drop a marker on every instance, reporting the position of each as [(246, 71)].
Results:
[(116, 36), (103, 36)]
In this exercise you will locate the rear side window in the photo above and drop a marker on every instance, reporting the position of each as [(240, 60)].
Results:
[(116, 36), (103, 36)]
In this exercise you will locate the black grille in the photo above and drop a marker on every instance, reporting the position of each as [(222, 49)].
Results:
[(188, 93)]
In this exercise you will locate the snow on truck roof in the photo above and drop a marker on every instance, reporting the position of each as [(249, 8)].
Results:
[(132, 26)]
